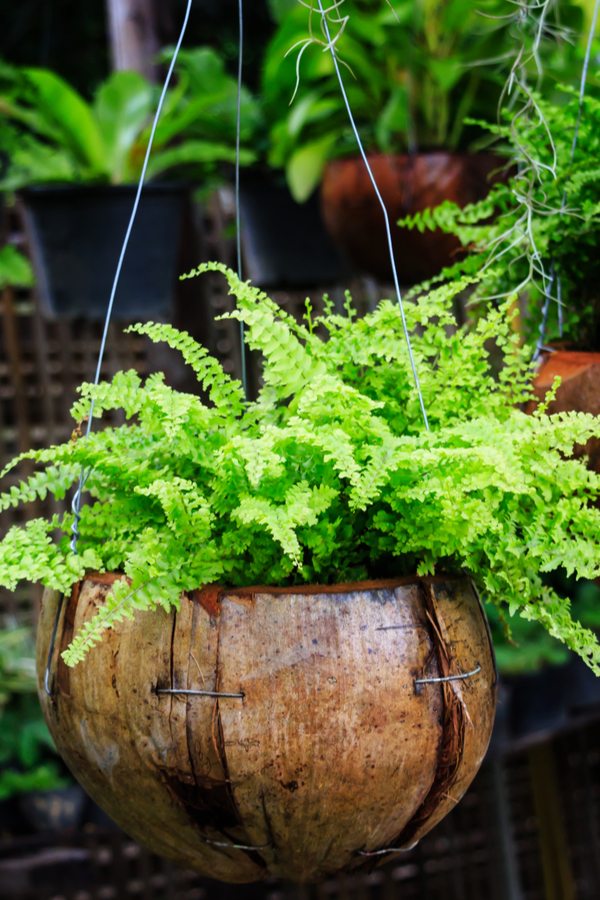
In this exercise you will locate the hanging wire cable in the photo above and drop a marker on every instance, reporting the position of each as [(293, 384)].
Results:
[(331, 47), (563, 205), (238, 221), (76, 505)]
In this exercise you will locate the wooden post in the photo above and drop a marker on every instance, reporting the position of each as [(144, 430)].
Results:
[(554, 847), (133, 38)]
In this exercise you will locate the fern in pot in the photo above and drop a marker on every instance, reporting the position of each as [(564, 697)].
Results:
[(268, 655)]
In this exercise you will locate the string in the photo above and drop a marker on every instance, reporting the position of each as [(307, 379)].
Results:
[(76, 505), (238, 223), (331, 48), (582, 87)]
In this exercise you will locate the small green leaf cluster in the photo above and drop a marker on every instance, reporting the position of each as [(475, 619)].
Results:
[(329, 476), (541, 224), (15, 269)]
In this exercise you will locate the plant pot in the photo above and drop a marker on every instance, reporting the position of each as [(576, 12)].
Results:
[(333, 750), (285, 243), (408, 184), (76, 235), (579, 391)]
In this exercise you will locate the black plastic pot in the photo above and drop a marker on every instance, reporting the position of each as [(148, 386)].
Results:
[(285, 243), (76, 234)]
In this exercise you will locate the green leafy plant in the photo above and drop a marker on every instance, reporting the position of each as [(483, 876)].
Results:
[(25, 742), (413, 72), (52, 134), (540, 226), (329, 476), (15, 269)]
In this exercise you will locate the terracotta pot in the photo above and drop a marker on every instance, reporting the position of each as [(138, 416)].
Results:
[(333, 751), (579, 391), (408, 184)]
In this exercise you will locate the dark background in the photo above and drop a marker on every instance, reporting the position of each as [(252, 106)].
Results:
[(70, 36)]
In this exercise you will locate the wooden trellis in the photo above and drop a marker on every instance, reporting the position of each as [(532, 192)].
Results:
[(493, 846)]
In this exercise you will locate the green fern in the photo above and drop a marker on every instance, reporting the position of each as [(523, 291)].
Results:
[(329, 475)]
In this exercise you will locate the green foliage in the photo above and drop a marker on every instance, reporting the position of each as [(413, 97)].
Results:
[(25, 741), (15, 269), (52, 134), (523, 645), (328, 476), (413, 72), (524, 225), (45, 777)]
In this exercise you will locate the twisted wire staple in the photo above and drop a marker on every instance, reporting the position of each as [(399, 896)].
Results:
[(75, 506)]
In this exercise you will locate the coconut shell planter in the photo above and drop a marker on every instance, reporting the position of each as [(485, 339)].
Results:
[(408, 183), (579, 390), (332, 738)]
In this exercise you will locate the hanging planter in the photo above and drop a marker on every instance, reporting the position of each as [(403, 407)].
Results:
[(291, 729), (330, 739), (77, 165), (408, 184), (299, 255), (318, 736), (579, 390), (76, 235)]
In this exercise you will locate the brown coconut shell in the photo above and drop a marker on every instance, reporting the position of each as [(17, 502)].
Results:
[(408, 183), (333, 752), (579, 391)]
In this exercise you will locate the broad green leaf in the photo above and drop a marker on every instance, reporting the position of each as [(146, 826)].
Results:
[(122, 108), (64, 107), (15, 269), (195, 152), (305, 167), (34, 162)]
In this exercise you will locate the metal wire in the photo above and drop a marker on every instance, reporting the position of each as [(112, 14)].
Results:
[(51, 650), (238, 222), (388, 850), (448, 677), (236, 846), (77, 498), (76, 504), (331, 48)]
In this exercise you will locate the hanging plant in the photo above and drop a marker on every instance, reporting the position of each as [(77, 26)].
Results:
[(413, 73), (211, 727), (327, 477)]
